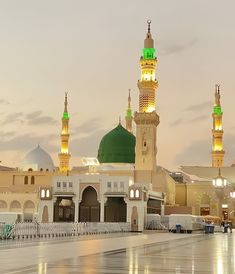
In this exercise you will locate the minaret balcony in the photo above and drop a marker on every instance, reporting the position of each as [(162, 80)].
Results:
[(148, 84), (146, 118)]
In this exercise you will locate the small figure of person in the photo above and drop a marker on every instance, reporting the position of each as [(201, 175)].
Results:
[(226, 225)]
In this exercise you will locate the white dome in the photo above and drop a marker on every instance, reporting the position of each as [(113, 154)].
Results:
[(38, 159)]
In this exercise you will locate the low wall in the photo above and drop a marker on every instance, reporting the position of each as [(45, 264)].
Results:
[(35, 230)]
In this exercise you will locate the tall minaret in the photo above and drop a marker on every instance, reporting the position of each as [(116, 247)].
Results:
[(129, 117), (64, 155), (217, 132), (146, 118)]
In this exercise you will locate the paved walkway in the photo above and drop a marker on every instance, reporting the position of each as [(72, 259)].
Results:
[(122, 253)]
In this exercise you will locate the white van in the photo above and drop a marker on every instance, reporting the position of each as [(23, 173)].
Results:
[(187, 222)]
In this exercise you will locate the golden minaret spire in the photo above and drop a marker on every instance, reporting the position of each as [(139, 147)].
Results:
[(64, 155), (146, 118), (217, 131), (129, 117)]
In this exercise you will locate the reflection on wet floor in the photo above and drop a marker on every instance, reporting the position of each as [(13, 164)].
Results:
[(198, 254)]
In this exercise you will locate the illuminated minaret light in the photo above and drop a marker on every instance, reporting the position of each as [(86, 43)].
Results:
[(146, 118), (217, 132), (129, 116), (64, 155)]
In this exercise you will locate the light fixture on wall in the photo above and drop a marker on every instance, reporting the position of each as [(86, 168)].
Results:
[(232, 194), (219, 181)]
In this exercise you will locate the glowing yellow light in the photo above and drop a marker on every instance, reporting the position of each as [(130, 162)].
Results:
[(64, 150), (150, 109), (147, 77), (218, 148)]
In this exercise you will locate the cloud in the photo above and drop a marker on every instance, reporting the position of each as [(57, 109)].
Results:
[(202, 106), (36, 118), (88, 126), (43, 120), (29, 141), (87, 146), (193, 109), (196, 119), (199, 118), (177, 122), (33, 115), (199, 152), (4, 102), (8, 134), (176, 48), (13, 117)]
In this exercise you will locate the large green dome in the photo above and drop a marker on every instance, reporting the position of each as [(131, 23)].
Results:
[(117, 146)]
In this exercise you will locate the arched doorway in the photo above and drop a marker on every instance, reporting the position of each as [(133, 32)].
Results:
[(29, 210), (134, 219), (3, 205), (89, 208), (64, 209), (15, 206), (205, 205), (115, 210), (154, 206), (45, 215)]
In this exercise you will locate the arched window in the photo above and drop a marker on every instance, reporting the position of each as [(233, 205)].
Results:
[(41, 169), (48, 193), (43, 194), (131, 193), (30, 169), (137, 193), (32, 180), (26, 180)]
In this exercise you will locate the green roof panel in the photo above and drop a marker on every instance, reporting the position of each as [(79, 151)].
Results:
[(117, 146)]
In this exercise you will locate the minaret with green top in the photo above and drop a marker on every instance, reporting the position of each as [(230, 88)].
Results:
[(129, 116), (146, 118), (217, 132), (64, 155)]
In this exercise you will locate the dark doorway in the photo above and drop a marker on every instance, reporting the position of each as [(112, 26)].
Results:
[(204, 211), (154, 207), (89, 208), (64, 210), (115, 210)]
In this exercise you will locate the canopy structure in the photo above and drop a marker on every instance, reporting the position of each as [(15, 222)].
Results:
[(210, 173)]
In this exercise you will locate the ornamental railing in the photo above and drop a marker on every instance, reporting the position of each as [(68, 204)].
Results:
[(39, 230)]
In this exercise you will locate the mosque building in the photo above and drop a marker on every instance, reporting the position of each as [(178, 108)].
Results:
[(124, 183), (200, 195)]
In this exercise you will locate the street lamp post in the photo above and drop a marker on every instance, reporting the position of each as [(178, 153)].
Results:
[(221, 185)]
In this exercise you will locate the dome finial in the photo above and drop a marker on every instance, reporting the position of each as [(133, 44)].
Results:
[(129, 98), (66, 102), (149, 23), (119, 120)]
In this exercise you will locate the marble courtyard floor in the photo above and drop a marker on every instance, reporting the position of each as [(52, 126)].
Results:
[(118, 253)]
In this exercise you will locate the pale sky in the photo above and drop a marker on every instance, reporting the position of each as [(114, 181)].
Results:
[(92, 49)]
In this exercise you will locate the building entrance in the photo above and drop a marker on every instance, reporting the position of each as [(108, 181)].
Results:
[(154, 206), (204, 211), (89, 208), (115, 210), (64, 210)]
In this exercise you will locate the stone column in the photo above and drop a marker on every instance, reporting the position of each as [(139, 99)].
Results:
[(76, 211), (102, 203)]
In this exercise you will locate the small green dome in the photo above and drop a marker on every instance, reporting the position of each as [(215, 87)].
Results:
[(117, 146)]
